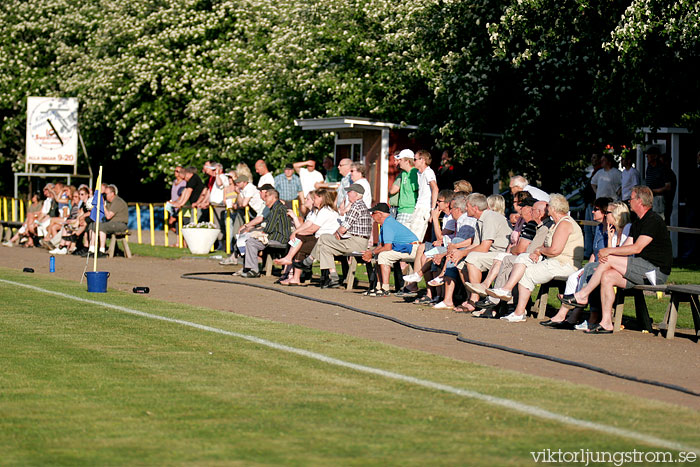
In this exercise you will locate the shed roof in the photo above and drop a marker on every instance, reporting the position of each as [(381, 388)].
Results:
[(344, 123)]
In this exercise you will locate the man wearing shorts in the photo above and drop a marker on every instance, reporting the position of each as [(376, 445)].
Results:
[(646, 256)]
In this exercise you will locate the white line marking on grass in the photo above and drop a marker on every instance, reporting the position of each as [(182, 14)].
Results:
[(499, 401)]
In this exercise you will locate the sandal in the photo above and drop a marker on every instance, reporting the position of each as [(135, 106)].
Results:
[(437, 281), (464, 307), (572, 303), (598, 329)]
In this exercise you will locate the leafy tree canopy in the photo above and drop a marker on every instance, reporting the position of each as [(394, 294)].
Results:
[(538, 83)]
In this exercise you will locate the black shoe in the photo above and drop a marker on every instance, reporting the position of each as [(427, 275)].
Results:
[(549, 323), (485, 304), (80, 252), (250, 274), (565, 325), (301, 266)]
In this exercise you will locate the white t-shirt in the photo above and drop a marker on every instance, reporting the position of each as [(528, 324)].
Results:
[(267, 178), (424, 192), (255, 202), (630, 179), (367, 196), (327, 221), (607, 183), (309, 179), (216, 194), (46, 207)]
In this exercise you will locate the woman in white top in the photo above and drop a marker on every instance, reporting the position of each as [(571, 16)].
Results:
[(617, 217), (323, 219)]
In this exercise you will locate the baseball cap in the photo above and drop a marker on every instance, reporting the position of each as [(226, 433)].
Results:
[(529, 201), (357, 188), (266, 186), (289, 166), (381, 207), (406, 154), (240, 179)]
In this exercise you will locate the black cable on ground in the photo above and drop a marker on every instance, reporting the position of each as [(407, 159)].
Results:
[(460, 338)]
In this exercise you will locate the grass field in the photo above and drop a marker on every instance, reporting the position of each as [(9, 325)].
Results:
[(86, 384)]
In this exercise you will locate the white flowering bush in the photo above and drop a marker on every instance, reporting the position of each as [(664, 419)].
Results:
[(177, 82)]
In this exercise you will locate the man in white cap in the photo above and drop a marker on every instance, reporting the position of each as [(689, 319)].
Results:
[(407, 188)]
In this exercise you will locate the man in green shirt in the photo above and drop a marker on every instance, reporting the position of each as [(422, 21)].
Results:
[(407, 188)]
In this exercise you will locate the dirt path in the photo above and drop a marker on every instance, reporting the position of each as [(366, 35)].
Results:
[(629, 352)]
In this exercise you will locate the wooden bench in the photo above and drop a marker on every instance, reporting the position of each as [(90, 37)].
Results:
[(124, 238), (681, 293), (539, 308), (7, 227), (353, 262), (640, 305)]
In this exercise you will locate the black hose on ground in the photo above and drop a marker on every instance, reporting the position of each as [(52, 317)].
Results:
[(460, 338)]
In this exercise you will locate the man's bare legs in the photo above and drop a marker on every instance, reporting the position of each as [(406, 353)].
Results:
[(474, 275), (608, 282), (515, 275), (615, 263), (523, 297), (492, 274)]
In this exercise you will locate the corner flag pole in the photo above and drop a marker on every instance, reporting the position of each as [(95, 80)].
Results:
[(97, 221)]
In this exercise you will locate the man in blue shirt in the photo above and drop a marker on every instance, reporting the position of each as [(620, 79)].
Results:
[(396, 243)]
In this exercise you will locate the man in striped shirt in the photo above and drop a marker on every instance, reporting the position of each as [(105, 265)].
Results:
[(278, 227), (352, 236)]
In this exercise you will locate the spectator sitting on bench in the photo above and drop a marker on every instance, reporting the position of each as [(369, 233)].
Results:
[(278, 228), (464, 225), (614, 217), (116, 213), (424, 264), (352, 236), (321, 220), (491, 237), (500, 271), (563, 250), (33, 212), (647, 254), (396, 243)]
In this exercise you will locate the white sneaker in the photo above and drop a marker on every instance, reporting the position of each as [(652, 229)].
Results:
[(59, 251), (411, 278), (582, 327), (513, 318), (7, 244), (231, 260), (442, 306), (437, 281), (476, 288), (500, 293)]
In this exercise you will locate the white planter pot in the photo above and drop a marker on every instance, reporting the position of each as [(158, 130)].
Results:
[(199, 241)]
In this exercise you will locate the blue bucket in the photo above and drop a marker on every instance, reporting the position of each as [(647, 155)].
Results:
[(97, 281)]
